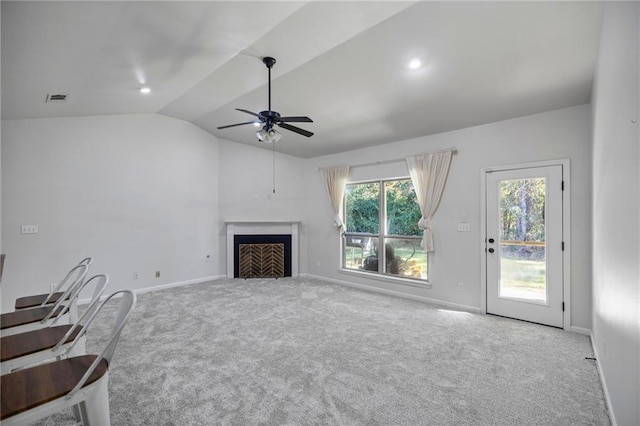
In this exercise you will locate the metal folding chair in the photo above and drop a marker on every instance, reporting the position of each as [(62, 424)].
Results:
[(53, 296), (48, 343), (64, 310), (80, 382)]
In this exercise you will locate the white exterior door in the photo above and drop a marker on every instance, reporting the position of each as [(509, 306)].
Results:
[(524, 244)]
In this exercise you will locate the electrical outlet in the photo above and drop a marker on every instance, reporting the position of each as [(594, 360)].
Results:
[(136, 276), (461, 286), (53, 286), (464, 218), (157, 274)]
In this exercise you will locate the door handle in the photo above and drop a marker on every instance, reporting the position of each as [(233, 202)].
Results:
[(491, 250), (491, 240)]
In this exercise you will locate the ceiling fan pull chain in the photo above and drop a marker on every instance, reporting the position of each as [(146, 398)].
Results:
[(274, 167)]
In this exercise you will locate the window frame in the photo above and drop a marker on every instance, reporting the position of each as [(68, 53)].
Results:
[(382, 237)]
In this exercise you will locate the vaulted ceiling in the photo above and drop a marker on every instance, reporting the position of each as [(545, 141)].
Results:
[(344, 64)]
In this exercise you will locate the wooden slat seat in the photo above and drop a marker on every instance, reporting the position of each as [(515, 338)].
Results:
[(19, 345), (73, 278), (25, 389), (36, 300), (27, 316)]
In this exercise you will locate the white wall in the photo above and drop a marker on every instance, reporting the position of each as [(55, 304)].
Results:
[(616, 210), (553, 135), (1, 251), (246, 190), (146, 203), (137, 193)]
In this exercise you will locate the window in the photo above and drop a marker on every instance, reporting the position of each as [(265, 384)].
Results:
[(391, 203)]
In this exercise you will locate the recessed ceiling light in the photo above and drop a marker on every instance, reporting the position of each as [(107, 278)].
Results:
[(415, 63), (145, 90)]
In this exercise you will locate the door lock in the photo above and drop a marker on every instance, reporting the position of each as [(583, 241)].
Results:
[(491, 240)]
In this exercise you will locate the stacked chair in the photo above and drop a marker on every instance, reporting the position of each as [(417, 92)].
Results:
[(42, 300), (47, 313), (45, 367), (56, 341)]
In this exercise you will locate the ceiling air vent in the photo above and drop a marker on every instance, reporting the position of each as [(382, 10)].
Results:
[(57, 98)]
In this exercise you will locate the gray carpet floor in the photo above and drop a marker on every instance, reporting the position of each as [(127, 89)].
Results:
[(306, 352)]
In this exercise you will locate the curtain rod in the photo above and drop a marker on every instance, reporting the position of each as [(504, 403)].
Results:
[(453, 150)]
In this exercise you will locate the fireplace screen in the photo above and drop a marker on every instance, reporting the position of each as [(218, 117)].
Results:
[(261, 260), (262, 256)]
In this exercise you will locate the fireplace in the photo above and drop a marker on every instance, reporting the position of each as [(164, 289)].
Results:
[(262, 256), (262, 249)]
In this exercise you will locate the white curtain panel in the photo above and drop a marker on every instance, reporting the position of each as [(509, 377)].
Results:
[(429, 176), (336, 181)]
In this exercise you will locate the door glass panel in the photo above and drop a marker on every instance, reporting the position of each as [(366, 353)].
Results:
[(522, 239)]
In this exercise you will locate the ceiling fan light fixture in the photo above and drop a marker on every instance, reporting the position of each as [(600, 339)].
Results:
[(268, 136), (261, 134), (273, 135)]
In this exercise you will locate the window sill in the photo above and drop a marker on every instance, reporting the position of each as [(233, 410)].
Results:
[(386, 278)]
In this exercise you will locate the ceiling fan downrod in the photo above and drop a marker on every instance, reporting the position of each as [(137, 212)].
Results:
[(269, 62)]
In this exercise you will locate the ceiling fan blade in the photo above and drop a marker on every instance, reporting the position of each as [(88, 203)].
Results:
[(237, 124), (295, 119), (295, 129), (248, 112)]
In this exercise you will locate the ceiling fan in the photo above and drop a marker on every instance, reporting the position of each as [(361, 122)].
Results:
[(270, 118)]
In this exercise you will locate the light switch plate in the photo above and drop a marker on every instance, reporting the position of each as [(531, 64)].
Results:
[(463, 227), (29, 229)]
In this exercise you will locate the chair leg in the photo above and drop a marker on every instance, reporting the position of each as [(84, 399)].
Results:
[(73, 311), (77, 413), (94, 410), (80, 348)]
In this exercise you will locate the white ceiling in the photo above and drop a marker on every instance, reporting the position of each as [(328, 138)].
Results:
[(344, 64)]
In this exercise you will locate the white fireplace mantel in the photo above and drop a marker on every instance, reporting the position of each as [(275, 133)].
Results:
[(262, 227)]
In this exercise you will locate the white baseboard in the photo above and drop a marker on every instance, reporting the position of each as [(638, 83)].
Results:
[(163, 287), (423, 299), (603, 382), (580, 330), (179, 284)]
